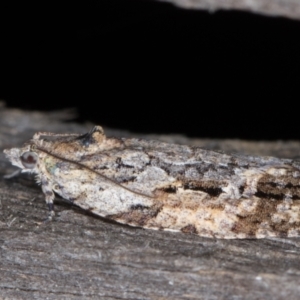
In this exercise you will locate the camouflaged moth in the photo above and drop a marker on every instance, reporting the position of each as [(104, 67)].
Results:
[(157, 185)]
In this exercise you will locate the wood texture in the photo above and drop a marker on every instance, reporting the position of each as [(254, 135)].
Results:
[(275, 8), (81, 256)]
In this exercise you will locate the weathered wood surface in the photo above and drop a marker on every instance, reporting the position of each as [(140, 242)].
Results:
[(275, 8), (79, 255)]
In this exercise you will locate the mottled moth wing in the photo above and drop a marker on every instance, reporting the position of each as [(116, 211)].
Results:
[(157, 185)]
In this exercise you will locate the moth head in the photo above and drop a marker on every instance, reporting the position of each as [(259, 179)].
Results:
[(29, 159), (24, 158)]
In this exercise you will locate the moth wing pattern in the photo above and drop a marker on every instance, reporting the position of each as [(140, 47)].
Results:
[(156, 185)]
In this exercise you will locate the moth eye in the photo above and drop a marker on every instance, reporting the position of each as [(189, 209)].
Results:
[(29, 159)]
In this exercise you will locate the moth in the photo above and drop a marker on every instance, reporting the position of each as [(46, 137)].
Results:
[(156, 185)]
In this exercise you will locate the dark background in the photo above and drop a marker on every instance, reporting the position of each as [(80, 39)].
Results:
[(153, 67)]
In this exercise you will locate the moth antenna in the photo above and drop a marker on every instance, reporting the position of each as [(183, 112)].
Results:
[(38, 135)]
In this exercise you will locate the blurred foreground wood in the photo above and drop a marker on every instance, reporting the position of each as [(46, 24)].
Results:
[(274, 8), (80, 255)]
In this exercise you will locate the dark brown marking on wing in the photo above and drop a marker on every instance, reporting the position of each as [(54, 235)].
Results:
[(189, 229), (120, 164), (213, 188), (127, 179), (264, 213), (169, 189), (278, 187), (138, 207), (139, 215)]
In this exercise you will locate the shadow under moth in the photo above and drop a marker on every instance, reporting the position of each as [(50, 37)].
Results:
[(156, 185)]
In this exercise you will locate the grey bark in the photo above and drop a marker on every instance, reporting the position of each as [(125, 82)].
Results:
[(275, 8), (80, 255)]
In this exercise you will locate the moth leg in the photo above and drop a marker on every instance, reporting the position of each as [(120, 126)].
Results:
[(12, 175), (49, 197)]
